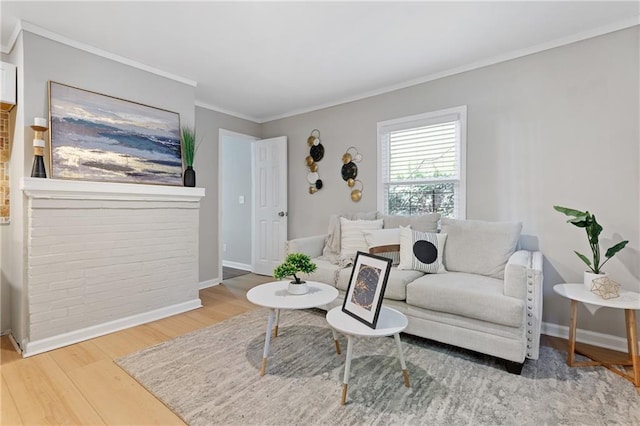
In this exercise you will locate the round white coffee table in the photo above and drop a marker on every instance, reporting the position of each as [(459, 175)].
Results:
[(274, 295), (390, 323), (629, 301)]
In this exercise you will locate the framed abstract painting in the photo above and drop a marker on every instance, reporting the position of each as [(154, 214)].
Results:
[(102, 138), (366, 288)]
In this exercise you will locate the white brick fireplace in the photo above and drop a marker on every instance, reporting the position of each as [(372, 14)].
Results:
[(100, 257)]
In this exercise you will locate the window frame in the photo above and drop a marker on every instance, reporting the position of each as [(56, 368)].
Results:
[(458, 114)]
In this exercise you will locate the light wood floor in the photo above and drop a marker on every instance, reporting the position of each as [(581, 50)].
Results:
[(80, 384)]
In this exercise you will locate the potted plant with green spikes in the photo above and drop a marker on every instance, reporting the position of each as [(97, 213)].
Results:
[(188, 150), (293, 264), (588, 221)]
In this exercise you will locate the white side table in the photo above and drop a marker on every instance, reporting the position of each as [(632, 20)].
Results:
[(629, 301), (274, 295), (390, 323)]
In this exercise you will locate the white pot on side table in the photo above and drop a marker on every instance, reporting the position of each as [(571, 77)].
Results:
[(590, 276)]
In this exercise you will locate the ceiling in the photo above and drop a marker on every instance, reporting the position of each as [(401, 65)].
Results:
[(266, 60)]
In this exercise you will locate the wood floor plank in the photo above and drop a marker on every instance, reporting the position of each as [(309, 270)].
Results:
[(44, 394), (78, 355), (147, 335), (118, 344), (8, 410), (119, 399), (178, 325)]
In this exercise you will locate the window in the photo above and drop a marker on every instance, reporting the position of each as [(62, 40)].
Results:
[(422, 164)]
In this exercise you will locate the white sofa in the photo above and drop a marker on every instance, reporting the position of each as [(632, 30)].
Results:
[(489, 300)]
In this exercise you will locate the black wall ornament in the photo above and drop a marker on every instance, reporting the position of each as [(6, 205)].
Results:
[(316, 153), (349, 172)]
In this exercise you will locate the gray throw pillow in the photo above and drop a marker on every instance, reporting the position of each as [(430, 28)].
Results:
[(479, 247), (424, 222)]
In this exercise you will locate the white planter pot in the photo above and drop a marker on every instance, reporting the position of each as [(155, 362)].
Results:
[(589, 277), (301, 288)]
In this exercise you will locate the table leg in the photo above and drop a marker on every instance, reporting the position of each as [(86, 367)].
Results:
[(347, 368), (275, 334), (632, 342), (405, 373), (267, 341), (572, 333), (336, 342)]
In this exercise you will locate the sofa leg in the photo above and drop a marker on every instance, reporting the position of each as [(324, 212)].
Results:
[(514, 367)]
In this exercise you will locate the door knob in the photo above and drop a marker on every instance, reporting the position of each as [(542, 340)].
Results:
[(282, 214)]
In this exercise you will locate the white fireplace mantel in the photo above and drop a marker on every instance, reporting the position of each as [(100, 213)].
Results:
[(104, 256), (85, 190)]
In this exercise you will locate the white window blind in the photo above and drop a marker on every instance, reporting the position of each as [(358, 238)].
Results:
[(422, 163)]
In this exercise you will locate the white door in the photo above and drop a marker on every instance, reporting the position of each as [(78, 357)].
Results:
[(270, 201)]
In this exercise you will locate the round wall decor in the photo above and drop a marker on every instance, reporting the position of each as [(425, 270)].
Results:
[(316, 153)]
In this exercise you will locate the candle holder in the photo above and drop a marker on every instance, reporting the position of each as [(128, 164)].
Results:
[(39, 126)]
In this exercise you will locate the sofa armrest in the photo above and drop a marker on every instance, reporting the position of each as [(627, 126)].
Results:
[(523, 280), (311, 246)]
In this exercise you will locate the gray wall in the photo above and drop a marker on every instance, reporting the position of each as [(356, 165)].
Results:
[(46, 60), (236, 218), (556, 127), (208, 125)]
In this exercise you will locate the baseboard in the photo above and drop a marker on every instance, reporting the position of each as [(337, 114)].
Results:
[(209, 283), (15, 344), (55, 342), (237, 265), (588, 337)]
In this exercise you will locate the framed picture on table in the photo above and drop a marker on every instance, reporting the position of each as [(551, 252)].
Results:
[(366, 288)]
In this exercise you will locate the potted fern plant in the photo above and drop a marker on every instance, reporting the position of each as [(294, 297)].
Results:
[(588, 221), (188, 150), (293, 264)]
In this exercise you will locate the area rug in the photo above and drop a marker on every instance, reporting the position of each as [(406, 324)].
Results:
[(211, 376)]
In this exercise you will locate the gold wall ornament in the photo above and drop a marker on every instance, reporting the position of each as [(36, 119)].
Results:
[(356, 194), (316, 153), (606, 288), (349, 171)]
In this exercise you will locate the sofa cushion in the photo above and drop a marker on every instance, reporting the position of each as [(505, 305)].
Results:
[(352, 236), (331, 250), (385, 243), (326, 272), (396, 282), (423, 222), (469, 295), (411, 250), (479, 247)]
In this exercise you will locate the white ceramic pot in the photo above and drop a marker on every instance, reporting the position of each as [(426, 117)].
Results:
[(301, 288), (589, 277)]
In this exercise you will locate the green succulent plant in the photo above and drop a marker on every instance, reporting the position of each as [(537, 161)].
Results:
[(588, 221), (294, 263)]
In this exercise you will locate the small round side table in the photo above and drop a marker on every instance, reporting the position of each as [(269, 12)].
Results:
[(390, 323), (629, 301), (274, 295)]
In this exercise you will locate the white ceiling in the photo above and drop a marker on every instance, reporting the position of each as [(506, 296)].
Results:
[(265, 60)]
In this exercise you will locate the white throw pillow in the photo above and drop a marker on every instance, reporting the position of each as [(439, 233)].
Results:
[(352, 237), (385, 243), (422, 251)]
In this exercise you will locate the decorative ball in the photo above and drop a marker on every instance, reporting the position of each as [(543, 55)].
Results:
[(356, 195), (312, 190), (346, 158), (309, 160), (319, 184), (313, 168), (350, 183), (310, 140)]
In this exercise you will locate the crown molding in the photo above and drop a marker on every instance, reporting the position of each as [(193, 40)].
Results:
[(227, 112), (7, 48), (42, 32), (595, 32)]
